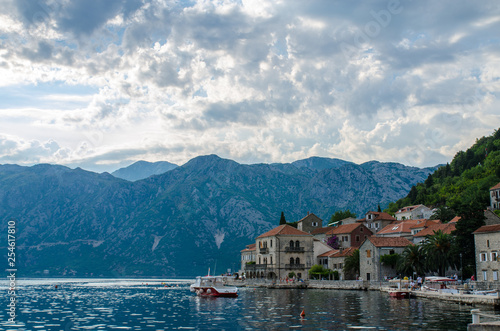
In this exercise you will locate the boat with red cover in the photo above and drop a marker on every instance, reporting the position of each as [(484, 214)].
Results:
[(213, 286)]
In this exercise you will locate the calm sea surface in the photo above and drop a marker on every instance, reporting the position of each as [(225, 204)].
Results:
[(123, 304)]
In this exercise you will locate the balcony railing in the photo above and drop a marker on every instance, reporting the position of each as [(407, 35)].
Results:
[(294, 249), (254, 267), (263, 250), (295, 266)]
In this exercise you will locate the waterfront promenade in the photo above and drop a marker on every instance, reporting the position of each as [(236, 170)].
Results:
[(458, 296)]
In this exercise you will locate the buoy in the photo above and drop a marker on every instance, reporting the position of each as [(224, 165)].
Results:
[(303, 314), (56, 286)]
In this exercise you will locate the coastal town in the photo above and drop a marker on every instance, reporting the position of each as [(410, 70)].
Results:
[(293, 253)]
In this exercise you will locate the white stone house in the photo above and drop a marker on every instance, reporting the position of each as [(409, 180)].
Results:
[(495, 197), (413, 212)]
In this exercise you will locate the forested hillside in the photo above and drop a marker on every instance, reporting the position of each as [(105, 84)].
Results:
[(468, 177)]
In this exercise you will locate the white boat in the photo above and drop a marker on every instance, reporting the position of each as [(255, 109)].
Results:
[(213, 286)]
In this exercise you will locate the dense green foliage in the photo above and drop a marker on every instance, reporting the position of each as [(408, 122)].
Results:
[(319, 272), (412, 260), (470, 174), (351, 263), (282, 218), (460, 188), (390, 260)]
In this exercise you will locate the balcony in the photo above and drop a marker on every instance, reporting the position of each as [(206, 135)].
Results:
[(295, 266), (255, 267), (294, 249), (264, 250)]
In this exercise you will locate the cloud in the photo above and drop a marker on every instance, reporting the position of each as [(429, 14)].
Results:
[(259, 81)]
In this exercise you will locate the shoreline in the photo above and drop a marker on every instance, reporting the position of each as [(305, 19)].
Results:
[(461, 298)]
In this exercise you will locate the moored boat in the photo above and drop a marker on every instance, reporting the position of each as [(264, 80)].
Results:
[(213, 286), (399, 294)]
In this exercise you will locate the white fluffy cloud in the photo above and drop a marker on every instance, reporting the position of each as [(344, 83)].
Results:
[(100, 84)]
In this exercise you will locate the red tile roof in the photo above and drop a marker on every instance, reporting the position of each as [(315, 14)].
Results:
[(321, 230), (389, 241), (380, 216), (425, 223), (455, 219), (488, 228), (345, 252), (284, 229), (329, 253), (249, 248), (445, 228), (496, 187), (408, 208), (345, 228)]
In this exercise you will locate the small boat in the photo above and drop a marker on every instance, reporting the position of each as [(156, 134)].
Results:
[(213, 286), (399, 294)]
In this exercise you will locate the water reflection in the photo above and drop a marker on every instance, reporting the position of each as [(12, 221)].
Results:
[(133, 305)]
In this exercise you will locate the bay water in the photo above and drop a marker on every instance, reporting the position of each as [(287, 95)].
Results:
[(146, 304)]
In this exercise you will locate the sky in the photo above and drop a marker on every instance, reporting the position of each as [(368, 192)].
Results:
[(100, 84)]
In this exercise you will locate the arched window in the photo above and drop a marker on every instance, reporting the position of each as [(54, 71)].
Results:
[(297, 244), (291, 243), (291, 260), (297, 261)]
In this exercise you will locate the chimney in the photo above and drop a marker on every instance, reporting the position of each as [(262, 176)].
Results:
[(307, 213)]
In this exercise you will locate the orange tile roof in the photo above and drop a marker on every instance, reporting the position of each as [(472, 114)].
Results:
[(344, 228), (496, 187), (321, 230), (402, 226), (488, 228), (407, 208), (425, 223), (389, 241), (345, 252), (445, 228), (284, 229), (249, 248), (381, 216), (329, 253), (455, 219)]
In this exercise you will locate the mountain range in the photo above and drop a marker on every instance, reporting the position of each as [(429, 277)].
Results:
[(72, 222), (143, 169)]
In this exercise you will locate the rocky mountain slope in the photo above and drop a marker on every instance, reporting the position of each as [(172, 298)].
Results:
[(143, 169), (179, 223)]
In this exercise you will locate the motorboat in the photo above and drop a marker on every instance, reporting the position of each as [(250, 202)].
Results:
[(213, 286)]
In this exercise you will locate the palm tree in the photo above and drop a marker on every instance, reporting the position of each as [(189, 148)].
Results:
[(351, 263), (437, 248), (412, 260)]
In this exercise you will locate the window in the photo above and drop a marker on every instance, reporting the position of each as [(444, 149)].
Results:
[(335, 266), (376, 225), (483, 257), (361, 229), (292, 260), (357, 238), (495, 275), (291, 243), (485, 275), (314, 223), (368, 253), (493, 256), (340, 265), (271, 243), (297, 261), (297, 244), (391, 252), (487, 243), (271, 260)]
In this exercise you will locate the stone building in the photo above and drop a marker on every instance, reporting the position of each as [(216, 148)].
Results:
[(413, 213), (487, 247), (281, 251), (350, 235), (495, 197), (310, 223), (247, 256), (370, 267), (375, 221)]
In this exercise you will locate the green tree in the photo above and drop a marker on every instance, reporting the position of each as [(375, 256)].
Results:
[(412, 260), (282, 219), (471, 212), (318, 271), (443, 213), (340, 215), (438, 251), (351, 263), (379, 209), (390, 260)]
